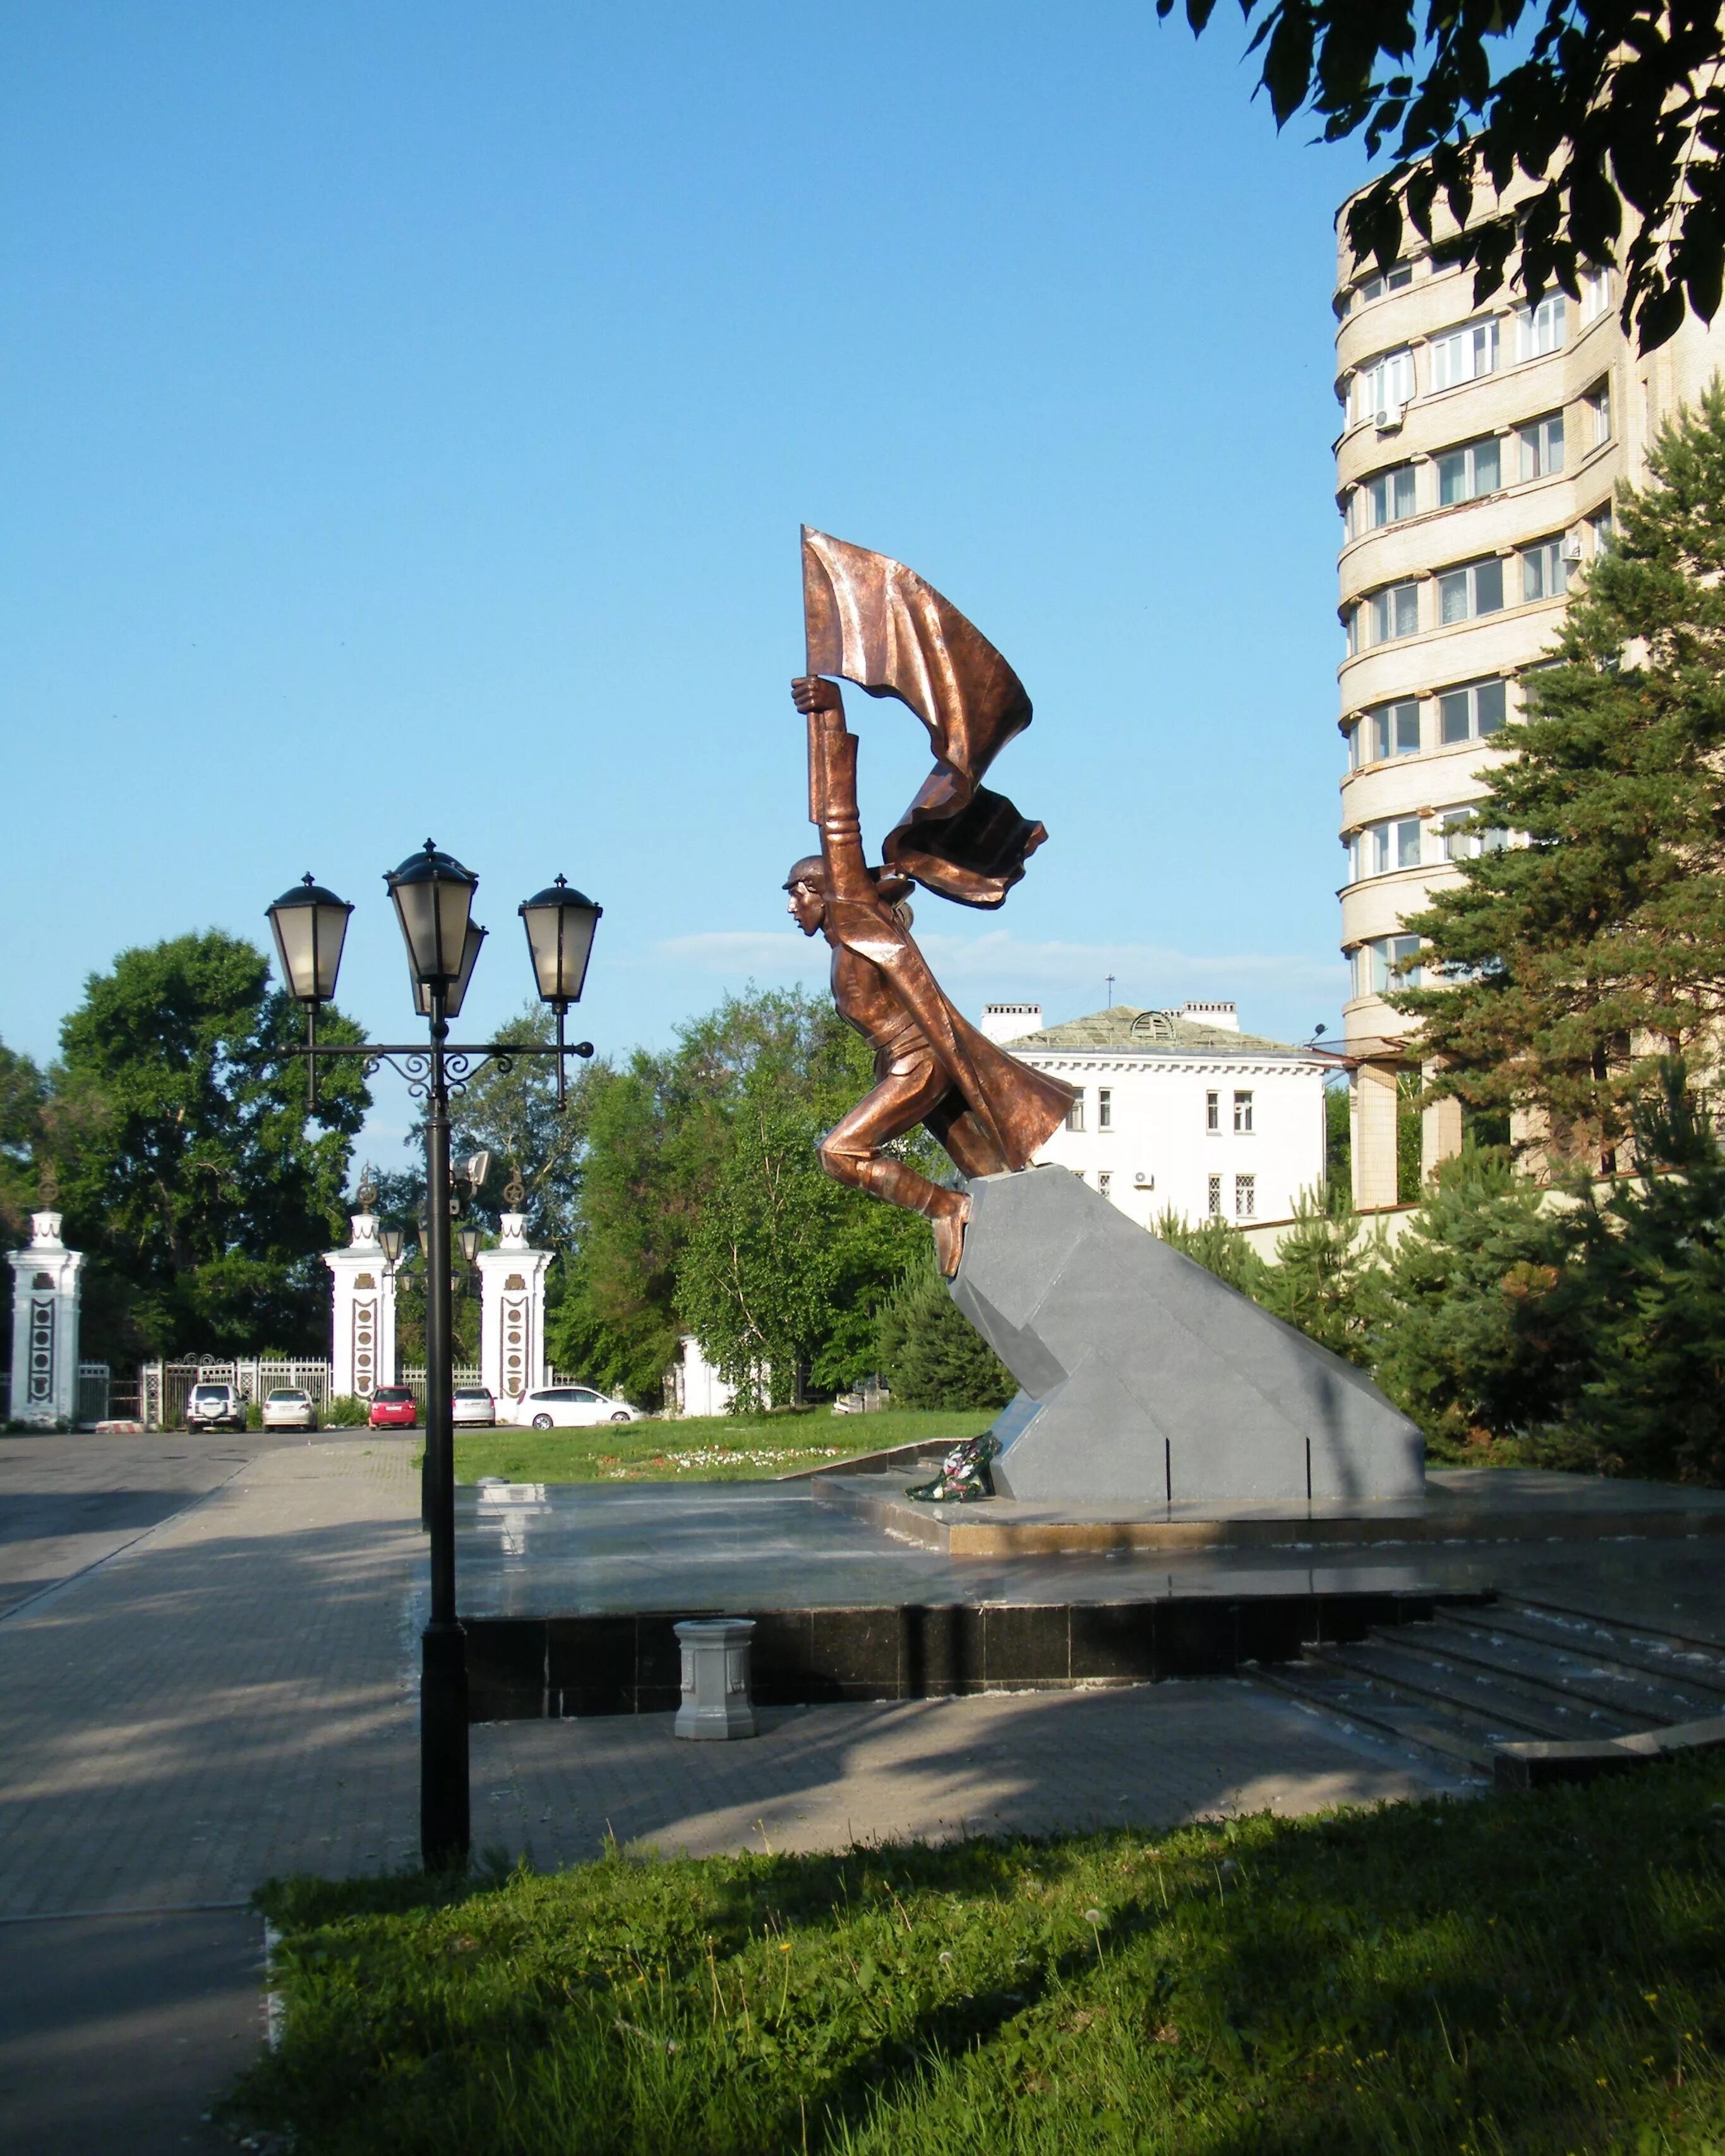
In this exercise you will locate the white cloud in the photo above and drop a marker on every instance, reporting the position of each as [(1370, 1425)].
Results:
[(999, 963)]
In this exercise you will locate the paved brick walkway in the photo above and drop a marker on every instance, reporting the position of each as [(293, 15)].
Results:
[(227, 1697), (820, 1778)]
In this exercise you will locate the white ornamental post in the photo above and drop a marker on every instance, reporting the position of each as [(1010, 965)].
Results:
[(363, 1311), (512, 1314), (46, 1287)]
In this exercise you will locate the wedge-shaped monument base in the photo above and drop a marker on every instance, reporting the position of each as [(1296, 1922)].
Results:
[(1144, 1377)]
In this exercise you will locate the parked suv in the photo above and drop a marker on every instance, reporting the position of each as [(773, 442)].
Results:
[(215, 1407)]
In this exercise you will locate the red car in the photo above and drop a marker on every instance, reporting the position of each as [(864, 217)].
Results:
[(394, 1407)]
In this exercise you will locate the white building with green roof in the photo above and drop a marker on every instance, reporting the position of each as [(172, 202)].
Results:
[(1178, 1110)]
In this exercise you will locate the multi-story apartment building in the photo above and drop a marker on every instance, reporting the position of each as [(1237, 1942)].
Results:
[(1480, 450)]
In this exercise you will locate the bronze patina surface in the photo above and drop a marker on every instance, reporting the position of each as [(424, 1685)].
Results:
[(881, 626)]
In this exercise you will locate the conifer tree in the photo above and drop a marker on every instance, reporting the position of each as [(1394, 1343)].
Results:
[(1593, 946)]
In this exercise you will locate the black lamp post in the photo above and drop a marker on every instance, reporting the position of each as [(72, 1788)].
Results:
[(433, 896)]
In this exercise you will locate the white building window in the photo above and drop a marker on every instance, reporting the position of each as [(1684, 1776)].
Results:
[(1540, 329), (1464, 354), (1395, 612), (1245, 1197), (1471, 470), (1545, 574), (1595, 293), (1598, 401), (1599, 524), (1394, 730), (1212, 1112), (1105, 1183), (1382, 387), (1214, 1207), (1381, 848), (1105, 1109), (1385, 500), (1373, 963), (1462, 844), (1542, 446), (1477, 587), (1243, 1114), (1074, 1114), (1395, 279), (1472, 712)]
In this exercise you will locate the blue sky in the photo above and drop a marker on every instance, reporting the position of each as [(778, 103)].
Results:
[(407, 414)]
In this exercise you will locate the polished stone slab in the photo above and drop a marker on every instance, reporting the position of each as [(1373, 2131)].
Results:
[(1458, 1505)]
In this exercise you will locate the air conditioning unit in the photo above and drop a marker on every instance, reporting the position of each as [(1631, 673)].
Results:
[(1387, 419), (1143, 1180), (1572, 547)]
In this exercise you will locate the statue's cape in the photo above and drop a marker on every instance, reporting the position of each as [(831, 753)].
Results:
[(872, 621), (1013, 1108)]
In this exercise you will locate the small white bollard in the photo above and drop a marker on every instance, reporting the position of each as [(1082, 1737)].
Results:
[(716, 1678)]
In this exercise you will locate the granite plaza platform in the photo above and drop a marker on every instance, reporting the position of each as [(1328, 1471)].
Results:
[(569, 1592)]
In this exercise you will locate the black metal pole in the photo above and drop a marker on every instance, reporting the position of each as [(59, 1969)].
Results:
[(444, 1836)]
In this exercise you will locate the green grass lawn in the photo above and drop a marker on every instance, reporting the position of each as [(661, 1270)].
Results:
[(1529, 1975), (701, 1448)]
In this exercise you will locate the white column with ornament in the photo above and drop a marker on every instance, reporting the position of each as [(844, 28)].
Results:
[(46, 1288), (513, 1312), (362, 1307)]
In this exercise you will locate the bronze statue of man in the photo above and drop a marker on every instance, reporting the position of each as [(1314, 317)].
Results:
[(875, 621)]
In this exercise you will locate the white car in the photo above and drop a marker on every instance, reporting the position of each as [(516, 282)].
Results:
[(472, 1403), (570, 1407), (289, 1407)]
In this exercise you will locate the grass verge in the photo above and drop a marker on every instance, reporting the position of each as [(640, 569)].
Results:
[(701, 1448), (1529, 1975)]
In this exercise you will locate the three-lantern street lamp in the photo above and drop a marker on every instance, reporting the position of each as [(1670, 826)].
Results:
[(432, 894)]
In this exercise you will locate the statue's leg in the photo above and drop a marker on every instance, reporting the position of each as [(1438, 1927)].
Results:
[(853, 1151)]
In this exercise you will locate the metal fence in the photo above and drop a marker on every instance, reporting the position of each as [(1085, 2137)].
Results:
[(164, 1386)]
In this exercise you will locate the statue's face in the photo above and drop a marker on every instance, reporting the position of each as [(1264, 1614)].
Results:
[(808, 907)]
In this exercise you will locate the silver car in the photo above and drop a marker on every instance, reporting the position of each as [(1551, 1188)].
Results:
[(289, 1407), (472, 1404)]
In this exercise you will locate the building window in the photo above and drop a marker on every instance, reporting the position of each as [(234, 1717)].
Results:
[(1385, 500), (1242, 1114), (1460, 844), (1395, 612), (1215, 1206), (1383, 387), (1074, 1114), (1105, 1183), (1396, 279), (1542, 446), (1472, 712), (1464, 354), (1379, 847), (1394, 730), (1595, 293), (1245, 1197), (1476, 588), (1105, 1109), (1545, 574), (1471, 470), (1212, 1112), (1599, 524), (1539, 330), (1358, 738), (1373, 965), (1598, 401)]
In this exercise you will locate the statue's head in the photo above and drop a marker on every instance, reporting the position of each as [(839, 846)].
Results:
[(807, 884)]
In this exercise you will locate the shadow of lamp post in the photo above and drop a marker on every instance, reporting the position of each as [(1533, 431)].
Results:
[(432, 894)]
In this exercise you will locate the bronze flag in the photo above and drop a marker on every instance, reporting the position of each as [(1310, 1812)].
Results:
[(874, 622)]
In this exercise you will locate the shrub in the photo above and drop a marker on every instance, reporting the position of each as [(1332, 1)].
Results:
[(344, 1411), (931, 1354)]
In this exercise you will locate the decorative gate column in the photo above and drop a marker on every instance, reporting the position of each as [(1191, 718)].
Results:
[(45, 1290), (362, 1312), (512, 1320)]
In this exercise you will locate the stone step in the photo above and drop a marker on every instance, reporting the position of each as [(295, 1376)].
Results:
[(1580, 1672), (1673, 1654), (1423, 1671), (1377, 1707)]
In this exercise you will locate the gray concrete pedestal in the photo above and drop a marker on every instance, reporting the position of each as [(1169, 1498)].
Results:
[(716, 1702), (1146, 1380)]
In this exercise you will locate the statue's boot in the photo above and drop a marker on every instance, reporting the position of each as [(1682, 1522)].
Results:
[(945, 1211)]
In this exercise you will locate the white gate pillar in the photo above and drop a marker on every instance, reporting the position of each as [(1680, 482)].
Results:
[(362, 1313), (512, 1319), (46, 1288)]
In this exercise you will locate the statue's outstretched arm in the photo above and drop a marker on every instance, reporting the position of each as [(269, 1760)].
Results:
[(832, 788)]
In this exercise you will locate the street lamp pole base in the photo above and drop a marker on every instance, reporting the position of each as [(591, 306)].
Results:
[(445, 1834)]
